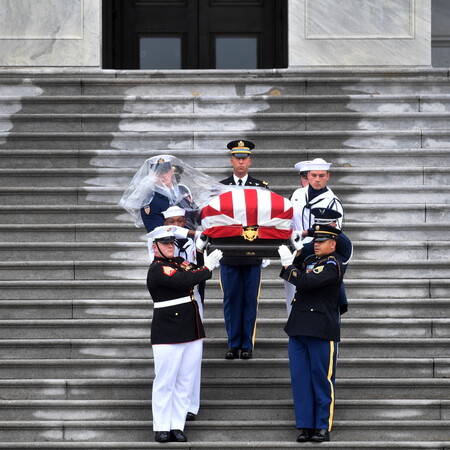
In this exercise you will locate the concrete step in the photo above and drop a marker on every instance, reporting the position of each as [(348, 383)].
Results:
[(267, 410), (141, 308), (188, 104), (266, 348), (219, 157), (232, 122), (425, 430), (143, 368), (342, 176), (271, 288)]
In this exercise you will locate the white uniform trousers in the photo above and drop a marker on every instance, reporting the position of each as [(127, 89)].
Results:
[(176, 366), (194, 397)]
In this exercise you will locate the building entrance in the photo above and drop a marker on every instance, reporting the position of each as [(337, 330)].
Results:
[(194, 34)]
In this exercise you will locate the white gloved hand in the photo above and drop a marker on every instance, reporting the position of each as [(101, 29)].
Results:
[(213, 258), (179, 232), (201, 242), (285, 255), (296, 240)]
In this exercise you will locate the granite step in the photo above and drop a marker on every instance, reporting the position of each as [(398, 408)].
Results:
[(199, 140), (113, 104), (138, 251), (225, 445), (110, 213), (266, 348), (220, 389), (267, 327), (83, 195), (141, 308), (285, 157), (131, 269), (231, 122), (271, 288), (126, 431), (120, 177), (213, 445), (267, 368), (212, 410)]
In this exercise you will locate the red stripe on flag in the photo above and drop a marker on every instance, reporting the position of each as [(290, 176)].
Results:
[(209, 211), (226, 204), (251, 204), (277, 205)]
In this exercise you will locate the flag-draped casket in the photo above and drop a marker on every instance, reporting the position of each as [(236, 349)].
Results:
[(247, 222)]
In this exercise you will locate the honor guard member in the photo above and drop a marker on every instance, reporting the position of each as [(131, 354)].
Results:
[(176, 333), (240, 277), (315, 195), (313, 328), (167, 193), (344, 249), (175, 217)]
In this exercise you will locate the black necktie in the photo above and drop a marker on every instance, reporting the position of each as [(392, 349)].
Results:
[(240, 182)]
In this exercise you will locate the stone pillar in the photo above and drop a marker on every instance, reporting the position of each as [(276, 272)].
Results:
[(50, 33), (359, 33)]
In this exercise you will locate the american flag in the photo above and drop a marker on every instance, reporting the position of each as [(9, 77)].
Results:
[(228, 214)]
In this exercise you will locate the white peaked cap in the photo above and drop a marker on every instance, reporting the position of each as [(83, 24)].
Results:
[(163, 234), (318, 164), (174, 211)]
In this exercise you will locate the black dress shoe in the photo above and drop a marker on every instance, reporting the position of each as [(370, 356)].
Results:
[(322, 435), (190, 417), (162, 436), (232, 353), (305, 435), (177, 436), (246, 354)]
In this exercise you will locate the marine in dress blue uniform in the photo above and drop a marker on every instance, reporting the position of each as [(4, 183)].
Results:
[(313, 328), (240, 277)]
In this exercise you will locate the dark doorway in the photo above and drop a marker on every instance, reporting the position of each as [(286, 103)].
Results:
[(194, 34)]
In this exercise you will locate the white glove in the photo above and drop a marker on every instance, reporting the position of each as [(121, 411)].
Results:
[(179, 232), (213, 258), (201, 242), (285, 255), (296, 240)]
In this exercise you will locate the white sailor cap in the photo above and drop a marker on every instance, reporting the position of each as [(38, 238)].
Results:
[(302, 166), (174, 211), (162, 234), (318, 164)]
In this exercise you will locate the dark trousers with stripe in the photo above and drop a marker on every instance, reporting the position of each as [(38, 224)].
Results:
[(240, 285), (313, 365)]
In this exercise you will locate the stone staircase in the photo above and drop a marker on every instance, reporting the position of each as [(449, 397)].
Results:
[(75, 359)]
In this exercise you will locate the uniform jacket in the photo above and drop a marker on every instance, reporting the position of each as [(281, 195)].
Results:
[(170, 279), (315, 307), (302, 206), (151, 213), (236, 261), (250, 182)]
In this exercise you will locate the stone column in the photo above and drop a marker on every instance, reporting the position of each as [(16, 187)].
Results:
[(50, 33), (359, 33)]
